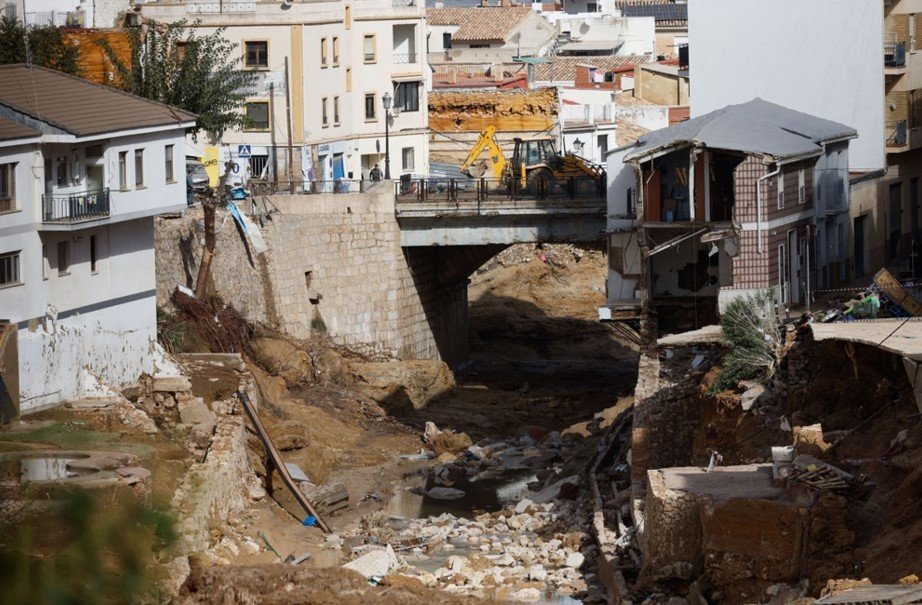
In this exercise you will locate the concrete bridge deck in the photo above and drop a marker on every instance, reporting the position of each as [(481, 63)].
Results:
[(448, 212)]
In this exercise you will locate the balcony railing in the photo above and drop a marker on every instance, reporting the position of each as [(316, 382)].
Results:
[(399, 3), (75, 207), (896, 134), (895, 54), (199, 7), (480, 190), (405, 58)]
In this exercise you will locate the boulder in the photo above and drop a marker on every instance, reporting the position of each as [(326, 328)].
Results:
[(374, 564)]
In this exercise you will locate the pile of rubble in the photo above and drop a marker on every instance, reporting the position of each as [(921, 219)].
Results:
[(535, 547)]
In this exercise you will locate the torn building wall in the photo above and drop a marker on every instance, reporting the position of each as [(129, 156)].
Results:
[(456, 119)]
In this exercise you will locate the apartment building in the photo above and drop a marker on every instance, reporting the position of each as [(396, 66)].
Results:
[(858, 66), (723, 205), (83, 170), (343, 58)]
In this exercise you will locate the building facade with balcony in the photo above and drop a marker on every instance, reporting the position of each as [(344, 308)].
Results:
[(860, 67), (724, 205), (343, 57), (83, 171)]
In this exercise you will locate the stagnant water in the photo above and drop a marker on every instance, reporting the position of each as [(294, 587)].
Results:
[(38, 468)]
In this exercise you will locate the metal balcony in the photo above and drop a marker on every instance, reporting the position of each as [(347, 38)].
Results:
[(75, 207), (405, 58), (895, 55)]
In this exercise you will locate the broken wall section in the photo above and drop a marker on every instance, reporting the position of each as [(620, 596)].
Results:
[(456, 119)]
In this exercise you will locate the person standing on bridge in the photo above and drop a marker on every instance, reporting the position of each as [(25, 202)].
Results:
[(375, 173)]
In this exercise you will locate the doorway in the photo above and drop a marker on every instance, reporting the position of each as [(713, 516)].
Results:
[(94, 178), (859, 225)]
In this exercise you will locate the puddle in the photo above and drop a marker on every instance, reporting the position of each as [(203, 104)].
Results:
[(484, 493), (41, 468)]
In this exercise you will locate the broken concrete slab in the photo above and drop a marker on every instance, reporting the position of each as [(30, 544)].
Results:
[(374, 564), (445, 493), (553, 491), (171, 384)]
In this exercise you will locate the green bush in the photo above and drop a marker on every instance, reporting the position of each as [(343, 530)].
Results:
[(81, 552), (749, 325)]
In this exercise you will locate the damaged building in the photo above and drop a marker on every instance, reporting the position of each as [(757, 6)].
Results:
[(83, 171), (746, 198)]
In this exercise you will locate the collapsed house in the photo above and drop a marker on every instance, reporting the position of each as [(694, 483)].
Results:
[(746, 198)]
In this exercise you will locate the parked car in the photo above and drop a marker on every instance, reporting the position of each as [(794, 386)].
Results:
[(199, 177)]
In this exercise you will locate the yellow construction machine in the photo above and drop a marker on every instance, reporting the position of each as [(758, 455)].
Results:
[(535, 163)]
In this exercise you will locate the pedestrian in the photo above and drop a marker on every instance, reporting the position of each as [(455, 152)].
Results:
[(375, 173), (190, 188)]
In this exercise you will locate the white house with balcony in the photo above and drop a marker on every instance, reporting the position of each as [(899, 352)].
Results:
[(587, 122), (83, 171), (344, 58)]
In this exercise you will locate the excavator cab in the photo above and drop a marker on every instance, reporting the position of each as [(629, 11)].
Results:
[(532, 152)]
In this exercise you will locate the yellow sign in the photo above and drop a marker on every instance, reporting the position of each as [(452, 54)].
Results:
[(210, 161)]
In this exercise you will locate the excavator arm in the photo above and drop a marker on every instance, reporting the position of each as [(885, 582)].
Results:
[(487, 140)]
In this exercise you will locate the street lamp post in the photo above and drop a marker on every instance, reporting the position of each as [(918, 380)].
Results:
[(386, 99)]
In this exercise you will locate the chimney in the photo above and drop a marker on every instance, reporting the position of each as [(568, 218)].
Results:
[(484, 3), (505, 3)]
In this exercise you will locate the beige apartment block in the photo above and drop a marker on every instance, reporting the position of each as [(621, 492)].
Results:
[(342, 57)]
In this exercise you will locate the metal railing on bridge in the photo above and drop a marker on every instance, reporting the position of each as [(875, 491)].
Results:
[(481, 190), (313, 187)]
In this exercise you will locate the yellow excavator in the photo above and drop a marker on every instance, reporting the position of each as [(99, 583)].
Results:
[(535, 162)]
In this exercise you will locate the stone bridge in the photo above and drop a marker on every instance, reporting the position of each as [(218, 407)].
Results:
[(379, 272)]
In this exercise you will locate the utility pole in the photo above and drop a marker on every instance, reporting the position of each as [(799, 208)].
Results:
[(291, 183), (274, 143)]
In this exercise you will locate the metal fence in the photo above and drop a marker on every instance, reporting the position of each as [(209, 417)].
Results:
[(895, 54), (312, 187), (457, 190), (71, 207)]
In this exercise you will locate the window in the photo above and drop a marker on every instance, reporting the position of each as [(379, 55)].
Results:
[(123, 170), (257, 54), (257, 116), (371, 106), (181, 48), (323, 52), (630, 201), (9, 269), (370, 49), (348, 79), (138, 167), (348, 17), (62, 172), (446, 40), (63, 258), (168, 163), (335, 51), (323, 112), (780, 188), (603, 146), (7, 187), (336, 111), (592, 7), (801, 187), (406, 96), (46, 270), (94, 251), (408, 158)]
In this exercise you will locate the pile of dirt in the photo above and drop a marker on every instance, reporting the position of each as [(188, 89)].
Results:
[(290, 585)]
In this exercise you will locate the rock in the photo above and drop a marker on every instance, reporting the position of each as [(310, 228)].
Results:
[(752, 394), (172, 384), (553, 491), (809, 440), (445, 493), (504, 560), (537, 573), (445, 441), (374, 564), (676, 601), (568, 491), (522, 506), (131, 416), (456, 563), (526, 595), (574, 560), (197, 414)]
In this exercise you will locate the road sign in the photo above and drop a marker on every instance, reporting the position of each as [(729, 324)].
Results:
[(243, 151)]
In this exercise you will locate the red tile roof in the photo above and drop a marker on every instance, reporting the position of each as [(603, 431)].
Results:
[(479, 23)]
